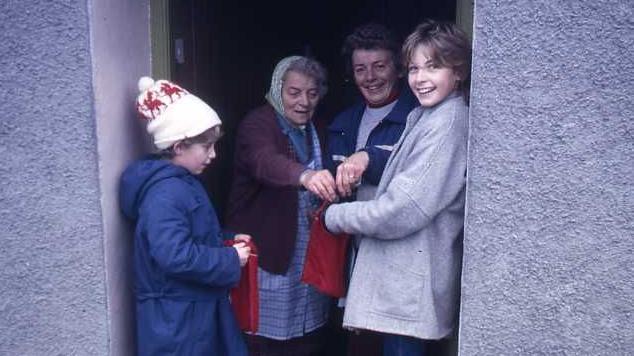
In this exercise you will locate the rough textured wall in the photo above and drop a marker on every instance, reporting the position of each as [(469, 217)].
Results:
[(548, 261), (52, 291), (121, 54)]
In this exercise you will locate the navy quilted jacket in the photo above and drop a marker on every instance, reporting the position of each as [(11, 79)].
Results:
[(342, 136)]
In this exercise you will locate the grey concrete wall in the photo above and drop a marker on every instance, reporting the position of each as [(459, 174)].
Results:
[(68, 128), (120, 55), (52, 290), (549, 237)]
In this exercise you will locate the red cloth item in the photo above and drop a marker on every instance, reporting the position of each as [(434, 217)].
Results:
[(325, 257), (244, 296)]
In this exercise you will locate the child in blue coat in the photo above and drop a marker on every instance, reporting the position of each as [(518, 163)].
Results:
[(183, 272)]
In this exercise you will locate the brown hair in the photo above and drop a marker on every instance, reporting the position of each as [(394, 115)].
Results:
[(211, 135), (448, 46), (371, 36)]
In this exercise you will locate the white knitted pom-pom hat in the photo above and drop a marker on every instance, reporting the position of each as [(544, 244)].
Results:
[(172, 112)]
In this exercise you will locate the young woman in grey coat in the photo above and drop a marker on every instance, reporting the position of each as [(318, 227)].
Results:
[(406, 278)]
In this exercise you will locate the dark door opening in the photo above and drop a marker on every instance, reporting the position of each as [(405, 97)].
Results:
[(229, 50)]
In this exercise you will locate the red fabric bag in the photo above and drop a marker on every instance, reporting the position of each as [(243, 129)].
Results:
[(325, 257), (244, 296)]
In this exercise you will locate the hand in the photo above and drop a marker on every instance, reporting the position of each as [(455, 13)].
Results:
[(243, 252), (349, 172), (242, 237), (321, 183)]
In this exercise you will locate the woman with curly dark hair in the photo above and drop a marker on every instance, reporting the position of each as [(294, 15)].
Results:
[(360, 139)]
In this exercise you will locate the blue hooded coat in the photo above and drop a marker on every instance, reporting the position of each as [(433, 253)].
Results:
[(183, 272)]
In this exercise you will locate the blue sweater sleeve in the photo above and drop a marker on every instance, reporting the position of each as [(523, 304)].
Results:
[(227, 235), (376, 165), (172, 247), (326, 158)]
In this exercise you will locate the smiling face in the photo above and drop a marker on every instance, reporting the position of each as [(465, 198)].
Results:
[(429, 82), (375, 74), (300, 95)]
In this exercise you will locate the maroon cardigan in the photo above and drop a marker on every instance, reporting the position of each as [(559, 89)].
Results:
[(263, 199)]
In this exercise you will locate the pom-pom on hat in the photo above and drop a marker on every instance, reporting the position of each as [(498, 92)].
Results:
[(173, 114)]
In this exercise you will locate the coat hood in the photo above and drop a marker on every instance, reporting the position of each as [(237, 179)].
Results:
[(139, 177)]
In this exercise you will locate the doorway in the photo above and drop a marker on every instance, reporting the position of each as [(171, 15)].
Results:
[(225, 52)]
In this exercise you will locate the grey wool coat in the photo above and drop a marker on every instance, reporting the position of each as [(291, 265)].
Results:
[(406, 277)]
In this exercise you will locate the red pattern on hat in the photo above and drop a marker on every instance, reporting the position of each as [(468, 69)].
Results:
[(150, 104), (170, 90), (154, 102)]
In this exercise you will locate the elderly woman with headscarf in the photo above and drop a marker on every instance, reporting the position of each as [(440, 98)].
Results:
[(278, 180)]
